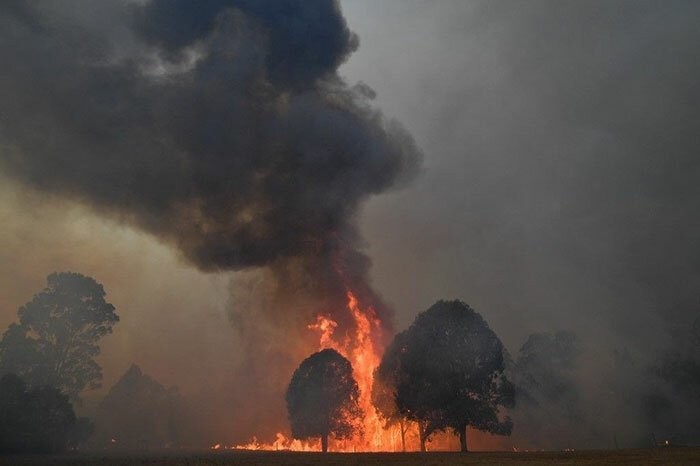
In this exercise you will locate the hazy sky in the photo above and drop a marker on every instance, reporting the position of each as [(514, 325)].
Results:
[(560, 187)]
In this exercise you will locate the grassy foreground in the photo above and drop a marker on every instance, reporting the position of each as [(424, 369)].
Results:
[(673, 456)]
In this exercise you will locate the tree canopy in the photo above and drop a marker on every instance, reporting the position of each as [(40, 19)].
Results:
[(448, 371), (322, 398), (55, 341)]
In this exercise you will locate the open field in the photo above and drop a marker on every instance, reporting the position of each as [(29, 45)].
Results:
[(672, 456)]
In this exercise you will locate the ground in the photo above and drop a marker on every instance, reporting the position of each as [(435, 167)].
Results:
[(671, 456)]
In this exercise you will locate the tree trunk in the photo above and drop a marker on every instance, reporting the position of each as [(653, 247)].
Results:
[(421, 436), (463, 439), (324, 443)]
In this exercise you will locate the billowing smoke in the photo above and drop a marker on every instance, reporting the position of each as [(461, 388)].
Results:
[(220, 127), (223, 129)]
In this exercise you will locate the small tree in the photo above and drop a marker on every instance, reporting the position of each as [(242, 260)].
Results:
[(322, 398), (450, 373), (56, 338)]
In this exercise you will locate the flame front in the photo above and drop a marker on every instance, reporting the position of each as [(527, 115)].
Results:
[(360, 348)]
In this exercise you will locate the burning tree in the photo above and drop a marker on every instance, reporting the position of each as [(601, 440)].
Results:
[(322, 398), (448, 373)]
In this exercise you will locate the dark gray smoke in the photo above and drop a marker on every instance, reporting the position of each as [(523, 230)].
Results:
[(219, 126), (307, 40)]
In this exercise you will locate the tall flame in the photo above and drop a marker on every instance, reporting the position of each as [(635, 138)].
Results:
[(361, 350), (364, 356)]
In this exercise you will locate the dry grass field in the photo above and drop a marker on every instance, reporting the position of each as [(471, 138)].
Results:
[(666, 456)]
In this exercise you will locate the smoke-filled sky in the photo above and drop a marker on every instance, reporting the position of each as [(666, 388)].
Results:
[(545, 169), (561, 183)]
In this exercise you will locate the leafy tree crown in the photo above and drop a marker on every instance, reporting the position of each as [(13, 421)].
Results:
[(56, 338), (322, 397), (449, 371)]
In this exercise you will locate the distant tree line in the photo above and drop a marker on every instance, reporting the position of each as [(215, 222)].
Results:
[(447, 372)]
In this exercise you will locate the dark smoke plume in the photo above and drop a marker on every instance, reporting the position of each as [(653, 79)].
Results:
[(223, 129)]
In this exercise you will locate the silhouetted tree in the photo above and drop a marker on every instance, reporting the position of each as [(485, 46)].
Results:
[(450, 373), (140, 413), (37, 420), (322, 398), (386, 378), (56, 338), (546, 392)]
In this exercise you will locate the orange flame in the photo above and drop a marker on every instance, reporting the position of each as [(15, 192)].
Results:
[(326, 327), (360, 349)]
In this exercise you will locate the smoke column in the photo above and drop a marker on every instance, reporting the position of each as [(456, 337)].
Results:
[(223, 129)]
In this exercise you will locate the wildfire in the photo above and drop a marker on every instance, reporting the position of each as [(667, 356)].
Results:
[(360, 349), (325, 326), (282, 442)]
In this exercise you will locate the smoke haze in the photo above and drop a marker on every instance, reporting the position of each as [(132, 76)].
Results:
[(146, 143), (561, 175)]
